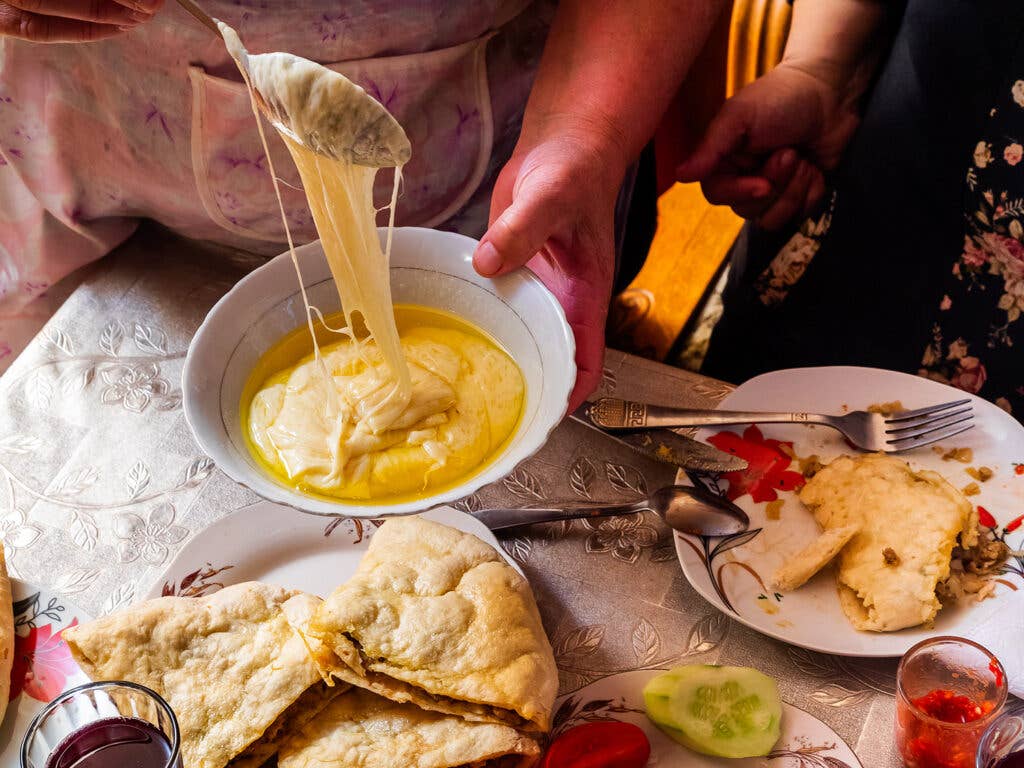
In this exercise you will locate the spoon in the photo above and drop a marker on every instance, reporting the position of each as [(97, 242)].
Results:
[(314, 106), (684, 508)]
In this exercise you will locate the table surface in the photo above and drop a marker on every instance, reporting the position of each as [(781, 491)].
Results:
[(101, 484)]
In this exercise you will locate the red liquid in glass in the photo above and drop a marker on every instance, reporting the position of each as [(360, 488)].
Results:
[(116, 742), (1016, 760)]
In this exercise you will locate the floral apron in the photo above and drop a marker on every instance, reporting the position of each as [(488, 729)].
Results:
[(156, 124), (920, 245)]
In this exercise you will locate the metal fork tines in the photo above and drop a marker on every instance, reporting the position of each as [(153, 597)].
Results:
[(924, 426), (865, 430)]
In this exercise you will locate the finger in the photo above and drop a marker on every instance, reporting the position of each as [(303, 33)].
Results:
[(728, 189), (780, 167), (753, 211), (726, 134), (791, 201), (37, 28), (588, 375), (586, 310), (588, 328), (520, 231), (98, 11)]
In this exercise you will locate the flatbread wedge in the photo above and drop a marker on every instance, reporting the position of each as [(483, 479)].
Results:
[(909, 522), (360, 729), (236, 666), (801, 566), (436, 617), (6, 635)]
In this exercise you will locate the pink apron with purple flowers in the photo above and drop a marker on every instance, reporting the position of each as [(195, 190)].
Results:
[(156, 124)]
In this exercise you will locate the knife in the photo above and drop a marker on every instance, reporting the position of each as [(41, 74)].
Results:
[(668, 447)]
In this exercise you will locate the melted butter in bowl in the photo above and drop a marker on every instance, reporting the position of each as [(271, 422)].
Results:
[(429, 269), (343, 435)]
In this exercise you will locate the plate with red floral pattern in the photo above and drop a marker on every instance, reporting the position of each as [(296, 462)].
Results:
[(734, 573), (43, 666)]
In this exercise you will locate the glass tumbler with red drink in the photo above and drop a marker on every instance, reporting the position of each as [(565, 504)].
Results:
[(949, 690), (104, 725)]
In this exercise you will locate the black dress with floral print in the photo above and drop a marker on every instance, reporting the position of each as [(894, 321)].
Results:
[(920, 247), (979, 315)]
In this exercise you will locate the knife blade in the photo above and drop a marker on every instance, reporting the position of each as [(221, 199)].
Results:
[(668, 447)]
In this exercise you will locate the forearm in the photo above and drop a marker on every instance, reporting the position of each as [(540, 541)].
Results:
[(840, 41), (611, 67)]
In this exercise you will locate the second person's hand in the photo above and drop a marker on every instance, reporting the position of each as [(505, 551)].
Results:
[(72, 21), (766, 152)]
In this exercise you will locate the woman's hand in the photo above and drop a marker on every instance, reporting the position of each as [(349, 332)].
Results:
[(72, 21), (766, 152), (553, 209)]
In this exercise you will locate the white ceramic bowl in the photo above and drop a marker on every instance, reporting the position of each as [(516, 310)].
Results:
[(429, 268)]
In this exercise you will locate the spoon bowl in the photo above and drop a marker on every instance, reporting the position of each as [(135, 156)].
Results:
[(314, 106), (698, 512), (684, 508)]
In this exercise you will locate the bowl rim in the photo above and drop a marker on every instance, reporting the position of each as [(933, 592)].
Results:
[(221, 449)]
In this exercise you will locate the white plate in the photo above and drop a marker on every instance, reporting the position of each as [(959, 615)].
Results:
[(805, 740), (429, 268), (46, 668), (277, 545), (811, 616)]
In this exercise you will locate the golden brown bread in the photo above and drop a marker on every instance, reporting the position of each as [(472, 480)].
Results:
[(234, 666), (360, 729), (436, 617), (908, 524)]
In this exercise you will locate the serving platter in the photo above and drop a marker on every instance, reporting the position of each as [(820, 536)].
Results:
[(805, 740), (734, 574), (279, 545), (43, 666)]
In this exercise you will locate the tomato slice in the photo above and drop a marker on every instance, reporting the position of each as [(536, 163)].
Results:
[(599, 745)]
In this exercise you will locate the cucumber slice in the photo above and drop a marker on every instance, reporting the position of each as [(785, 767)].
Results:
[(720, 711)]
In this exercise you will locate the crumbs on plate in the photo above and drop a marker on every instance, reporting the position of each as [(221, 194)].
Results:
[(963, 455), (893, 408), (981, 474)]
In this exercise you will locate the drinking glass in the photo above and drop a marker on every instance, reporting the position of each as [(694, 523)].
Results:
[(75, 709), (946, 664), (1003, 739)]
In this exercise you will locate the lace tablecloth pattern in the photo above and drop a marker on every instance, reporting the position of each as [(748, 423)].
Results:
[(101, 484)]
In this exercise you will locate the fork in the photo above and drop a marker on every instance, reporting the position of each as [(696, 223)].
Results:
[(866, 431)]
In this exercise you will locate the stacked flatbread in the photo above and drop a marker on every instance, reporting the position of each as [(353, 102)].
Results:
[(235, 667), (893, 530), (436, 617), (6, 635), (443, 662)]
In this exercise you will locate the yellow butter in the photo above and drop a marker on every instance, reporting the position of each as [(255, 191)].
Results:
[(321, 434)]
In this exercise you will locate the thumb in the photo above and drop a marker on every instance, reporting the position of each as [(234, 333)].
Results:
[(520, 232), (726, 134), (585, 301)]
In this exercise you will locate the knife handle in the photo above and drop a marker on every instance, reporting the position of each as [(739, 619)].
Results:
[(614, 414)]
